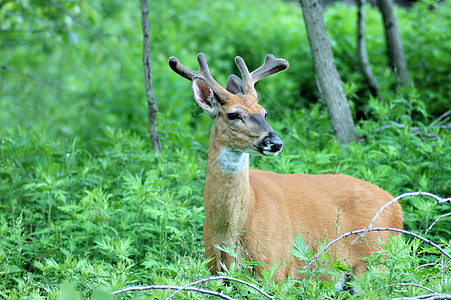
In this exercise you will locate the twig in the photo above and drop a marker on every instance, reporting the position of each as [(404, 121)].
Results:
[(405, 284), (437, 121), (435, 222), (220, 278), (440, 200), (429, 297), (166, 287), (444, 265), (362, 231), (427, 265)]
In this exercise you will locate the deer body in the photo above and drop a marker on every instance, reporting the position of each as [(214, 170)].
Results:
[(258, 213)]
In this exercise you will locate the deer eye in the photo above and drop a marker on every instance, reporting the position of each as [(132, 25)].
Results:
[(233, 116)]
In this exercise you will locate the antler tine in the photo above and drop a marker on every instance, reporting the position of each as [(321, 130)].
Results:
[(180, 69), (271, 66), (248, 86), (203, 73)]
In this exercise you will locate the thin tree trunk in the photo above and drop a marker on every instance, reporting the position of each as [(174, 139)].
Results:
[(393, 40), (361, 50), (151, 105), (327, 76)]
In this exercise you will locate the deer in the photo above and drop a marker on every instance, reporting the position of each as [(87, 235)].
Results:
[(258, 213)]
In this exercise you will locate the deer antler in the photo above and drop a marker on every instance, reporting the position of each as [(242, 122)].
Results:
[(203, 73), (272, 65)]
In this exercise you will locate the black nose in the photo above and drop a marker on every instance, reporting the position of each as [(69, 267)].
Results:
[(273, 142), (276, 145)]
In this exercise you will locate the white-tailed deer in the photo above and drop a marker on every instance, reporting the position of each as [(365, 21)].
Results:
[(258, 213)]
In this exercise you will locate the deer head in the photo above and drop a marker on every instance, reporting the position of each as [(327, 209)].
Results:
[(238, 120)]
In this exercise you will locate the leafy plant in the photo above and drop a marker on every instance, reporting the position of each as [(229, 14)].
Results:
[(83, 198)]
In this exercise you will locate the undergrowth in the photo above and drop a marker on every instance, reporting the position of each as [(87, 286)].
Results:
[(87, 207), (124, 215)]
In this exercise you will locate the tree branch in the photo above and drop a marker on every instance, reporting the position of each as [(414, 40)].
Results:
[(167, 287), (429, 297), (438, 120), (363, 231), (405, 284), (189, 288), (438, 219), (411, 194), (220, 278)]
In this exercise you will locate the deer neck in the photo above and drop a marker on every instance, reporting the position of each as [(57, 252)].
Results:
[(227, 194)]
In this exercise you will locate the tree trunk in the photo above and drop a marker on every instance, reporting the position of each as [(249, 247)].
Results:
[(361, 50), (394, 46), (151, 105), (328, 79)]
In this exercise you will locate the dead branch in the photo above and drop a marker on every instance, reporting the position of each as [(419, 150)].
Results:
[(438, 123), (411, 194), (442, 119), (438, 219), (405, 284), (429, 297), (416, 130), (427, 265), (363, 231), (219, 278), (167, 287)]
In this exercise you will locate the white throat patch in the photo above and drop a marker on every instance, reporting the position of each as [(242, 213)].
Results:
[(232, 161)]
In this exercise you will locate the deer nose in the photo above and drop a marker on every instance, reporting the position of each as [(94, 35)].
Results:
[(272, 142)]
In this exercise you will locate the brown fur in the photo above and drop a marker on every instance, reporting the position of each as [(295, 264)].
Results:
[(259, 213)]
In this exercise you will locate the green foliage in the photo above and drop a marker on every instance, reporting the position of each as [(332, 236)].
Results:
[(86, 207), (426, 41)]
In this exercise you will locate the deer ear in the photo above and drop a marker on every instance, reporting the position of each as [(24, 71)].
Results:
[(234, 85), (204, 96)]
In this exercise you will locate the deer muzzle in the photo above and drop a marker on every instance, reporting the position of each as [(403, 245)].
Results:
[(269, 144)]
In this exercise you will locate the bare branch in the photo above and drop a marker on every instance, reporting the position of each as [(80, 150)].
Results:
[(167, 287), (219, 278), (438, 123), (429, 297), (438, 120), (416, 130), (405, 284), (438, 219), (444, 265), (427, 265), (189, 288), (363, 231), (411, 194)]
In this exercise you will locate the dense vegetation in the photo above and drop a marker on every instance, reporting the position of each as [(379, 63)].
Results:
[(86, 207)]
